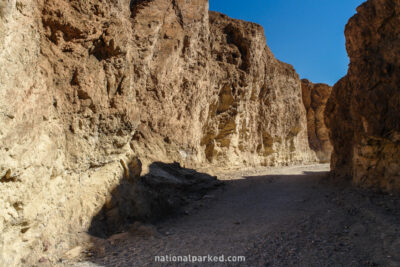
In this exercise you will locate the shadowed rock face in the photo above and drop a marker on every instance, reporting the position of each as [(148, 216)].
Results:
[(363, 112), (315, 97), (87, 86)]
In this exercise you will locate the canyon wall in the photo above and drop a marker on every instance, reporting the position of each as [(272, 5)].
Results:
[(88, 86), (315, 97), (212, 93), (65, 120), (363, 112)]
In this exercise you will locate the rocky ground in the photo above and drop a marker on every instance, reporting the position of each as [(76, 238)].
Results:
[(290, 216)]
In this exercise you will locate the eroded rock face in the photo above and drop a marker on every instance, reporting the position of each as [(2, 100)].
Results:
[(212, 93), (248, 119), (363, 112), (315, 97), (67, 115), (88, 86)]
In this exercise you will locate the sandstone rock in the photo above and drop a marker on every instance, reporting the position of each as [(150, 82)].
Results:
[(363, 112), (65, 120), (315, 97), (248, 121), (232, 108), (87, 85), (73, 253)]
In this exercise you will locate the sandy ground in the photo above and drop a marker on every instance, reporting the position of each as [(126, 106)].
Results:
[(288, 216)]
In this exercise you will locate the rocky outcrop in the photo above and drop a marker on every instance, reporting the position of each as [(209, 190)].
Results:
[(66, 120), (247, 121), (88, 86), (363, 112), (315, 97)]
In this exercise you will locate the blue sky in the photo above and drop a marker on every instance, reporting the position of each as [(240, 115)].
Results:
[(309, 34)]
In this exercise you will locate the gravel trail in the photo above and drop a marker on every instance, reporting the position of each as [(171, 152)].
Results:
[(288, 216)]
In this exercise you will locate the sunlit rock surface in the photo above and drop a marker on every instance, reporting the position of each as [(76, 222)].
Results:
[(315, 97), (88, 86)]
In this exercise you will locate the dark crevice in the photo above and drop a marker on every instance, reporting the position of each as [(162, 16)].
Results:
[(178, 12), (234, 36), (136, 5), (119, 88), (103, 50)]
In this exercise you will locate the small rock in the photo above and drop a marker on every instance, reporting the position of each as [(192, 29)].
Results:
[(43, 259), (73, 253)]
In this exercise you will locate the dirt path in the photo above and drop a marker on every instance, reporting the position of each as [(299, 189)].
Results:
[(288, 217)]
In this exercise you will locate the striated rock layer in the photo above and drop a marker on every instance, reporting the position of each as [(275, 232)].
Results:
[(363, 112), (88, 86), (315, 97)]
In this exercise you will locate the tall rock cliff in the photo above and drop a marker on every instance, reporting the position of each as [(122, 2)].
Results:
[(87, 86), (315, 97), (363, 112), (212, 93)]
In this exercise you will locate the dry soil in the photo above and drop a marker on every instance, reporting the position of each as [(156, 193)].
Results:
[(287, 216)]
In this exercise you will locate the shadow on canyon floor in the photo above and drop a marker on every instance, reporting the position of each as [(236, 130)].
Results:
[(290, 217), (160, 193)]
